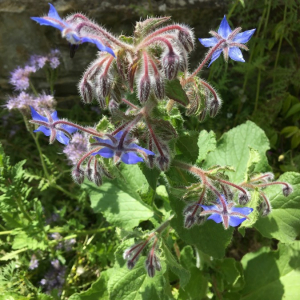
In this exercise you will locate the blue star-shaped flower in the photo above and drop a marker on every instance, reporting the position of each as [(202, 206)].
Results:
[(126, 151), (230, 215), (49, 128), (68, 30), (233, 40)]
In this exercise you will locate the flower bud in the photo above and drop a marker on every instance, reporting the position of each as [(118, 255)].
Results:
[(189, 221), (159, 87), (163, 162), (97, 178), (131, 264), (202, 115), (268, 177), (78, 175), (99, 98), (188, 209), (287, 190), (89, 174), (244, 198), (104, 85), (200, 219), (85, 90), (264, 209), (186, 37), (150, 270), (170, 64), (144, 86), (112, 105), (214, 107), (157, 263)]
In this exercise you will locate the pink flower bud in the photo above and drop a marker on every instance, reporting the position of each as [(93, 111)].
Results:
[(97, 178), (78, 175), (214, 107), (170, 64), (163, 162), (186, 37), (189, 221), (104, 85), (159, 87), (85, 90), (144, 86), (287, 190)]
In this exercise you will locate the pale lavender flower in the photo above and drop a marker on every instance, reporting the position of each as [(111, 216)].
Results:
[(76, 148), (53, 58), (54, 278), (20, 77), (34, 263), (38, 61)]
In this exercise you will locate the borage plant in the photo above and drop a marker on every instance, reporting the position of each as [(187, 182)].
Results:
[(143, 86)]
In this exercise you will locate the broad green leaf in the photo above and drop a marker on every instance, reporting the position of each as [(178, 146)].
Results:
[(206, 143), (119, 200), (233, 150), (272, 275), (210, 238), (98, 290), (175, 267), (151, 175), (135, 284), (175, 92), (283, 222), (187, 145), (254, 158), (293, 110)]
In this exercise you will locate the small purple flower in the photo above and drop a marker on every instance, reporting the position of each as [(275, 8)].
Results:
[(233, 41), (34, 263), (76, 148), (229, 215), (50, 127), (68, 30), (121, 149), (20, 77)]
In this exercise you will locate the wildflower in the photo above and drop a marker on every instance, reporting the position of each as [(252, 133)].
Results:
[(68, 30), (50, 127), (76, 148), (233, 40), (229, 215), (20, 77), (121, 149), (34, 263)]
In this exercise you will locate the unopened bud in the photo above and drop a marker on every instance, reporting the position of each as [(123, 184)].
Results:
[(131, 264), (99, 98), (189, 221), (144, 88), (264, 209), (159, 87), (150, 270), (200, 219), (112, 105), (244, 198), (268, 176), (97, 178), (214, 107), (170, 64), (104, 85), (186, 38), (78, 175), (156, 262), (287, 190), (85, 90), (163, 162), (202, 115), (89, 174)]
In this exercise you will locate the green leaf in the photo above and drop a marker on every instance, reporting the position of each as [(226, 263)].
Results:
[(254, 159), (151, 175), (175, 92), (206, 143), (119, 200), (293, 110), (175, 267), (135, 284), (283, 221), (233, 150), (289, 131), (187, 145), (272, 275), (210, 238), (98, 290)]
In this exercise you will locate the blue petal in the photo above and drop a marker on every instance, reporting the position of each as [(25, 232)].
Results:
[(244, 37), (215, 55), (224, 198), (212, 207), (105, 152), (141, 148), (106, 141), (242, 210), (215, 217), (69, 128), (224, 29), (235, 221), (52, 23), (119, 135), (62, 138), (100, 46), (130, 158), (209, 42), (236, 54), (46, 131), (54, 116), (53, 13), (36, 116)]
